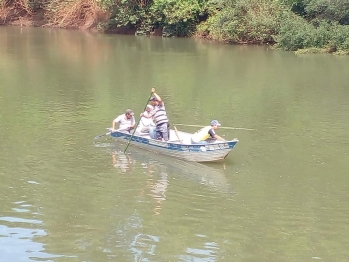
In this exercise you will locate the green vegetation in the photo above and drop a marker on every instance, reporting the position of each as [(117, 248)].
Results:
[(297, 25)]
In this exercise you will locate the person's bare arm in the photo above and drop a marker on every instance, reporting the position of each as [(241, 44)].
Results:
[(218, 137), (146, 116), (134, 122), (156, 95)]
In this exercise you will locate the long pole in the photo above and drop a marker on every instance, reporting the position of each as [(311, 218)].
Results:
[(221, 127), (128, 143)]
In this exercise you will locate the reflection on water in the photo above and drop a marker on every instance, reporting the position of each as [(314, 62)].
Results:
[(20, 236), (159, 173), (151, 162), (157, 167), (208, 253), (158, 190), (281, 197), (122, 161), (155, 187), (143, 244), (127, 235), (17, 241)]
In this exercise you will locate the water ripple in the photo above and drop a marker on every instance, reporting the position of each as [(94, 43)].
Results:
[(17, 244)]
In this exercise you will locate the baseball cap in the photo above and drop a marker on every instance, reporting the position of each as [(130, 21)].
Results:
[(215, 123), (129, 112), (150, 106), (153, 98)]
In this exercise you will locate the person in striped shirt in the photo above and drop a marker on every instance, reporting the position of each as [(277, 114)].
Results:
[(160, 117)]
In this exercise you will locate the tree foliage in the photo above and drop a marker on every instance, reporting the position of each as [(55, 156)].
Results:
[(177, 18), (334, 10), (245, 21), (289, 24)]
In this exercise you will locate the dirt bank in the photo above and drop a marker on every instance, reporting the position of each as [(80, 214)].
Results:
[(82, 15), (75, 15)]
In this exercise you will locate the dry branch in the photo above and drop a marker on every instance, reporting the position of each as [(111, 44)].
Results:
[(14, 9), (81, 14)]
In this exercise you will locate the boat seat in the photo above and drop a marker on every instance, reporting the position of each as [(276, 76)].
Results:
[(174, 141), (141, 134)]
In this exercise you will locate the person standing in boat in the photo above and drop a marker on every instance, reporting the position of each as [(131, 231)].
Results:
[(207, 134), (126, 121), (160, 117)]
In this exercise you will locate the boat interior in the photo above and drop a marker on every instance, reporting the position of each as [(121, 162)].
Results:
[(175, 136)]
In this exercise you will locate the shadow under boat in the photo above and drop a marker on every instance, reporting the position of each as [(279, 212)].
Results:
[(211, 177)]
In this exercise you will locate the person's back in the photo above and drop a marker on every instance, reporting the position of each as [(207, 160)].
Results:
[(159, 114), (207, 134), (201, 135), (160, 117)]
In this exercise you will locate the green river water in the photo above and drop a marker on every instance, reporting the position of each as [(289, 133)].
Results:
[(280, 195)]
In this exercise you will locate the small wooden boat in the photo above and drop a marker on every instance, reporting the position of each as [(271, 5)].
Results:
[(180, 147)]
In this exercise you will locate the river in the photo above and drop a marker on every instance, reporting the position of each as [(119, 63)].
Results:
[(280, 195)]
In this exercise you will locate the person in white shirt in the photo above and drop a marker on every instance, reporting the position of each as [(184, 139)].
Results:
[(146, 124), (126, 121), (146, 117)]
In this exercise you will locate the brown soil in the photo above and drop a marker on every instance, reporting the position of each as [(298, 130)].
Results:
[(35, 19), (80, 14), (83, 14)]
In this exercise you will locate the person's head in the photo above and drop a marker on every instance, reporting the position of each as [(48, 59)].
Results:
[(149, 108), (215, 124), (153, 101), (129, 114)]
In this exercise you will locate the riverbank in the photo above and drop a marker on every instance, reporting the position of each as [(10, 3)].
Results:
[(281, 25), (84, 15)]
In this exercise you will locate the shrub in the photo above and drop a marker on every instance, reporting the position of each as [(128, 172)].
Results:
[(295, 34), (178, 18), (246, 21), (337, 10)]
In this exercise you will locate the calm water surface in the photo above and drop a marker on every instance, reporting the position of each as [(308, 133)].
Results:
[(281, 195)]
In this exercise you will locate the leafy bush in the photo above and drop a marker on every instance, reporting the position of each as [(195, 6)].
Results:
[(178, 18), (340, 37), (293, 34), (245, 21), (337, 10)]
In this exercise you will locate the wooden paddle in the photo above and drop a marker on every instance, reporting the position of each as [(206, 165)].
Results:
[(176, 131), (102, 135)]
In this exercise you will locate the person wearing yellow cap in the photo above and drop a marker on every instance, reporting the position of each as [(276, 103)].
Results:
[(207, 134)]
